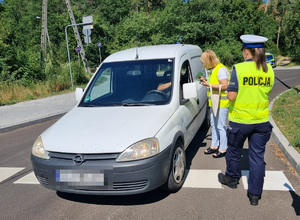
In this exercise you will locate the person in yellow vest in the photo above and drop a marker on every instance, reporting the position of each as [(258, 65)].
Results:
[(218, 76), (248, 90)]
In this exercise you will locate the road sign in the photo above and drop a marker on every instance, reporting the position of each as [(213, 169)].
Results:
[(86, 32), (88, 19), (87, 35), (87, 39), (99, 45), (78, 49)]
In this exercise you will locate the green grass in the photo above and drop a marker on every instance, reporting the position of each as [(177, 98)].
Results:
[(12, 93), (286, 114)]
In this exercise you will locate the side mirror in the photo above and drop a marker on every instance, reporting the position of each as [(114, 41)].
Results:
[(190, 90), (78, 94)]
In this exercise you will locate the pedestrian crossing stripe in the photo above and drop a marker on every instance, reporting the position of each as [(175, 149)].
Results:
[(28, 179), (6, 172), (274, 180), (202, 179)]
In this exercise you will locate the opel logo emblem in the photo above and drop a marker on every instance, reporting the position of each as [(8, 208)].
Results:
[(78, 159)]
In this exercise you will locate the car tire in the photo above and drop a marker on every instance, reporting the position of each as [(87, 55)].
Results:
[(177, 170)]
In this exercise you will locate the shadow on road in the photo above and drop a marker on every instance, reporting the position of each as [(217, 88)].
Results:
[(195, 145), (287, 86), (244, 165), (141, 199), (296, 199)]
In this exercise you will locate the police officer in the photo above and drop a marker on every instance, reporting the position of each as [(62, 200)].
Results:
[(248, 90)]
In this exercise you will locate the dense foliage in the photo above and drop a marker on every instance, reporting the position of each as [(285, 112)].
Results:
[(120, 24)]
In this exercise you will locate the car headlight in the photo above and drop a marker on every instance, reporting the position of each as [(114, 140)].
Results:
[(38, 149), (140, 150)]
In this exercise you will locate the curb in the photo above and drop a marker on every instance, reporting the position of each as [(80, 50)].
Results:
[(285, 146), (36, 121), (35, 111)]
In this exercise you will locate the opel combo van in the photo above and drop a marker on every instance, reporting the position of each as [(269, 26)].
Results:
[(126, 135)]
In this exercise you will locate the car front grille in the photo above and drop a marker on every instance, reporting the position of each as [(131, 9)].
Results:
[(43, 180), (87, 157), (124, 186)]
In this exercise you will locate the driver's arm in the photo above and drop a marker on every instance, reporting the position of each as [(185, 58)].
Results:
[(164, 86)]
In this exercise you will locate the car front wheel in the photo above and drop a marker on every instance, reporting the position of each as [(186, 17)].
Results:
[(177, 169)]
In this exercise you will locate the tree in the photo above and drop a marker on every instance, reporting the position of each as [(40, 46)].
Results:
[(211, 24), (291, 31)]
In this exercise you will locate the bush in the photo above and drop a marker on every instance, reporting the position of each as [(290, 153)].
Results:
[(79, 75), (58, 78)]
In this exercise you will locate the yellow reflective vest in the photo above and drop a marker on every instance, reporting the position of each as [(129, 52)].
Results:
[(252, 101), (213, 79)]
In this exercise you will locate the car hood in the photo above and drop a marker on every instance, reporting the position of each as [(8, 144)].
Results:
[(104, 129)]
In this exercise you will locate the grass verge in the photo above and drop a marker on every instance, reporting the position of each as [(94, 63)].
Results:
[(13, 93), (286, 115)]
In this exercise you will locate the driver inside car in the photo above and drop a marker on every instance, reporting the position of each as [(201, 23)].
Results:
[(168, 84)]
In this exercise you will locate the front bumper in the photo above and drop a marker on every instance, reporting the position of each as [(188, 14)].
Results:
[(100, 174), (272, 63)]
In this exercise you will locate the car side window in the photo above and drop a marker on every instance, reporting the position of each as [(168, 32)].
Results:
[(102, 85), (185, 77)]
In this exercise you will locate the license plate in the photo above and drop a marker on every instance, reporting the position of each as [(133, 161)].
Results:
[(80, 177)]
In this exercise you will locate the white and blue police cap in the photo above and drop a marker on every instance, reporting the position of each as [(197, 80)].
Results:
[(253, 41)]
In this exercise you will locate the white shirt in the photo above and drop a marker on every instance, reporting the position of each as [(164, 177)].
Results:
[(223, 73)]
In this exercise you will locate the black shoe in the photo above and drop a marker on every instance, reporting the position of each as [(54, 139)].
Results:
[(219, 154), (253, 198), (210, 150), (227, 180)]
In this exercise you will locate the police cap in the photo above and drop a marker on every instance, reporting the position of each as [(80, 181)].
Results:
[(253, 41)]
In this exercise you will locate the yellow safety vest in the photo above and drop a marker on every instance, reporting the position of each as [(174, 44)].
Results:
[(252, 101), (213, 79)]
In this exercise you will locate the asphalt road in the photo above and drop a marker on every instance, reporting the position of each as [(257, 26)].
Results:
[(25, 200), (285, 79)]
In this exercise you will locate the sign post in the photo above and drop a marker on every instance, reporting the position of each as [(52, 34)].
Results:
[(99, 46), (66, 32), (78, 51)]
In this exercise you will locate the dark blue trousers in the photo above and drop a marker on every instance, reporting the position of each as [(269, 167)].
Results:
[(258, 135)]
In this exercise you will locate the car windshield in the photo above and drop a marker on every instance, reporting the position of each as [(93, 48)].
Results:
[(269, 57), (130, 83)]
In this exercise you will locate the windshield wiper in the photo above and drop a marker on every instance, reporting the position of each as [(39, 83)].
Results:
[(87, 106), (135, 104)]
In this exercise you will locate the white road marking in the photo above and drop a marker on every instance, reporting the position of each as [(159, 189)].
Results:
[(202, 179), (28, 179), (274, 180), (6, 172)]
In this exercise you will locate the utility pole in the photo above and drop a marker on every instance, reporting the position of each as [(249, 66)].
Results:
[(266, 7), (78, 39), (44, 33)]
